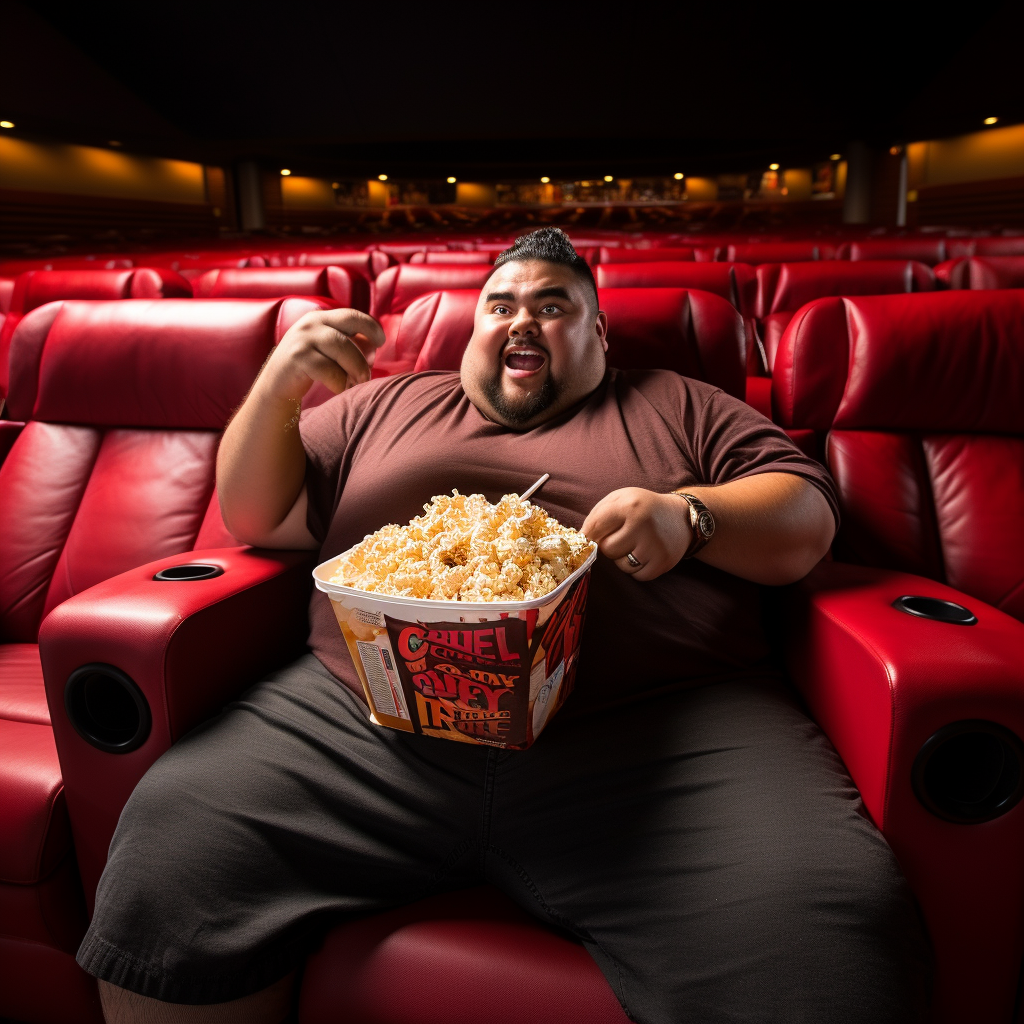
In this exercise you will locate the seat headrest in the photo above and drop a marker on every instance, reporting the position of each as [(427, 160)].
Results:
[(273, 282), (37, 287), (785, 287), (1010, 245), (938, 361), (924, 250), (778, 252), (6, 291), (993, 272), (454, 256), (616, 255), (397, 286), (734, 282), (369, 264), (167, 363)]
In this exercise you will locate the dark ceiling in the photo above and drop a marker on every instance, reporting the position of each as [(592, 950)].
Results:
[(511, 91)]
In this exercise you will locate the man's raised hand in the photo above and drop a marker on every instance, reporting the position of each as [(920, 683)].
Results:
[(332, 346), (653, 528)]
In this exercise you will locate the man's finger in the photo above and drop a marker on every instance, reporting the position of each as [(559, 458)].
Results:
[(603, 519), (619, 543), (351, 321), (343, 351), (322, 368)]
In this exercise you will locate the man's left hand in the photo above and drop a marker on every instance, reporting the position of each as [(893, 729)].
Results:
[(653, 528)]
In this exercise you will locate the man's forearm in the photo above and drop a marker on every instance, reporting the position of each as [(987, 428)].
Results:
[(772, 528)]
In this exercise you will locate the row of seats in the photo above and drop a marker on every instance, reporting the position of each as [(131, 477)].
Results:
[(916, 401)]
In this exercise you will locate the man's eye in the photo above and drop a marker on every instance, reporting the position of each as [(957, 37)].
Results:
[(501, 310), (550, 309)]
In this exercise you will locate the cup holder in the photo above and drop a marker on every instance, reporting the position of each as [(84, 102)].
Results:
[(107, 709), (936, 609), (188, 573), (970, 771)]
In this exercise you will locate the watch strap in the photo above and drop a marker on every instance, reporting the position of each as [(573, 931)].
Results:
[(702, 523)]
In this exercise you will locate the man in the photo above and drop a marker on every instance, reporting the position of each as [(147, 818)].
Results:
[(680, 815)]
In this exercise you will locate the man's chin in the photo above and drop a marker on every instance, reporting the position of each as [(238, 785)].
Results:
[(517, 406)]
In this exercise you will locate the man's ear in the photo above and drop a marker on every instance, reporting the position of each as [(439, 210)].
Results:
[(602, 328)]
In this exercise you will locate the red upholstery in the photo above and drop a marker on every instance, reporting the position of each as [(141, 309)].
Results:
[(348, 290), (923, 250), (398, 286), (6, 291), (778, 252), (401, 251), (509, 970), (450, 256), (880, 683), (618, 255), (782, 288), (984, 272), (952, 273), (368, 264), (1011, 245), (734, 282), (925, 396)]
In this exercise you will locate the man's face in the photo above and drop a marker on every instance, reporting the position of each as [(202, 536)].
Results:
[(538, 344)]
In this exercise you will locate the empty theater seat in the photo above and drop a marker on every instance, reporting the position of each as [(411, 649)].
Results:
[(124, 403), (332, 282), (778, 252), (923, 250), (34, 288), (734, 282), (1004, 245), (979, 272), (397, 286), (369, 264), (782, 288), (6, 291), (454, 256), (607, 254)]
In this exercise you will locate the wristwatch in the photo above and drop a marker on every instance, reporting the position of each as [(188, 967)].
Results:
[(702, 522)]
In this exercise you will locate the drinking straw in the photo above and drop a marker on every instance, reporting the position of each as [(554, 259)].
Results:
[(535, 486)]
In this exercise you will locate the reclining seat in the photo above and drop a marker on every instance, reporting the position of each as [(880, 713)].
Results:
[(778, 252), (608, 254), (924, 250), (124, 403), (37, 287), (397, 286), (335, 283), (734, 282), (982, 272), (367, 264)]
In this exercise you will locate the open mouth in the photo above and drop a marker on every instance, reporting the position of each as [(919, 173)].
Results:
[(522, 361)]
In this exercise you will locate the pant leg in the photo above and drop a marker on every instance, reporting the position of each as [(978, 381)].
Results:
[(713, 854), (288, 807)]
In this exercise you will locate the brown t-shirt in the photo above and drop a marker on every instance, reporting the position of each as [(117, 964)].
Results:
[(379, 452)]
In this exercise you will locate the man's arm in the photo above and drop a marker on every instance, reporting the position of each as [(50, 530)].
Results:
[(770, 528), (261, 465)]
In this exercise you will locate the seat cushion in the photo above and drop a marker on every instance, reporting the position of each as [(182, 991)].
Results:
[(22, 696)]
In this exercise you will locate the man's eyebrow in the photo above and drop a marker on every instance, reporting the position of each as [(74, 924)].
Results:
[(503, 296), (552, 293)]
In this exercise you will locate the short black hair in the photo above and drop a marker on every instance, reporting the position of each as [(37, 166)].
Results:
[(553, 246)]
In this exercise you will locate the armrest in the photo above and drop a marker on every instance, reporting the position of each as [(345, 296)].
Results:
[(187, 646), (882, 683)]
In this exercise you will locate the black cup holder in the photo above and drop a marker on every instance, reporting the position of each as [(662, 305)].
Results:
[(935, 609), (970, 771), (188, 573), (107, 709)]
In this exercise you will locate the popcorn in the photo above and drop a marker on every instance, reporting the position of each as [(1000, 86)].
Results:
[(463, 548)]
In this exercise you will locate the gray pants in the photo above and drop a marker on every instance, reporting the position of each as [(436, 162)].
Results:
[(707, 847)]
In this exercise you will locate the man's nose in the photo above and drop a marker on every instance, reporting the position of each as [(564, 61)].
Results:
[(524, 323)]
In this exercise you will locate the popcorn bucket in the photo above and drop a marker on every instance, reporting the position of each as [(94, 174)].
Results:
[(490, 673)]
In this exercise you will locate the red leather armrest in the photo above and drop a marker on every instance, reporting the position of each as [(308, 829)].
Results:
[(880, 683), (188, 647)]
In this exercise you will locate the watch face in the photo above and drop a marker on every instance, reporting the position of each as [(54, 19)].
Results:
[(706, 525)]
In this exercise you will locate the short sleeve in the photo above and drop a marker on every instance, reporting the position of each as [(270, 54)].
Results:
[(733, 441)]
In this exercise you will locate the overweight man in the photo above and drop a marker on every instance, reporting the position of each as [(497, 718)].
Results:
[(681, 816)]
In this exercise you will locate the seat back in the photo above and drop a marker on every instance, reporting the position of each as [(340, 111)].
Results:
[(368, 264), (778, 252), (617, 255), (924, 250), (782, 288), (398, 286), (984, 272), (6, 291), (125, 403), (1004, 245), (336, 283), (694, 333), (733, 282), (454, 256), (925, 398)]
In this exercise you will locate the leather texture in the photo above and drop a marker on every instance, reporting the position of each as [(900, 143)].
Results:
[(1005, 246), (188, 646), (778, 252), (397, 287), (510, 970), (9, 433), (607, 254), (22, 698), (368, 264), (6, 291), (880, 683), (347, 290), (467, 256), (735, 283), (923, 250), (992, 272)]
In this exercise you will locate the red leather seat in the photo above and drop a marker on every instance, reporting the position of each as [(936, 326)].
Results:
[(618, 255), (401, 251), (369, 264), (1003, 245), (983, 272), (923, 250), (124, 403), (782, 288), (6, 291), (34, 288), (332, 282), (733, 282), (778, 252), (397, 286), (455, 256), (923, 398)]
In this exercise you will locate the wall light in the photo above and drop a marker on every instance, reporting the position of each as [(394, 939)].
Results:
[(382, 177), (988, 120), (335, 184), (773, 167), (895, 150), (544, 180), (285, 172), (608, 177), (679, 175), (450, 180), (836, 156), (6, 124)]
